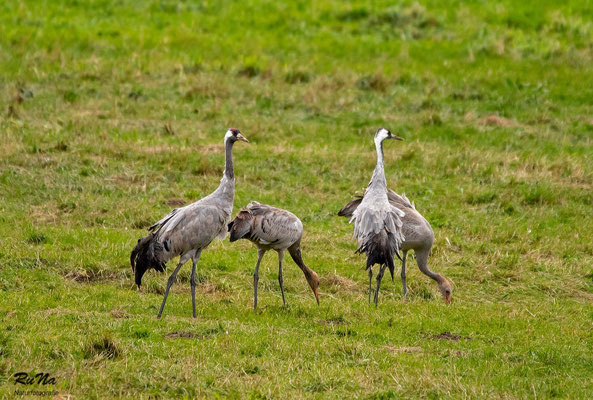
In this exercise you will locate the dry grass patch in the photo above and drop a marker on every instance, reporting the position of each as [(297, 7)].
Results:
[(495, 120), (175, 202), (397, 349), (88, 276), (336, 283), (118, 313), (210, 288)]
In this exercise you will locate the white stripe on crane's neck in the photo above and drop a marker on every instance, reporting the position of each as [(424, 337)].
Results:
[(379, 173), (379, 147)]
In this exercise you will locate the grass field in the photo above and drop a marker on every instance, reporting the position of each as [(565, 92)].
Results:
[(113, 112)]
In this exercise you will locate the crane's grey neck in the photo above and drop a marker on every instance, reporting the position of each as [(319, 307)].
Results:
[(379, 173), (432, 275), (295, 253), (228, 155), (422, 259)]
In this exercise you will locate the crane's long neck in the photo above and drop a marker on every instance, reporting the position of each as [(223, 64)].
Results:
[(310, 275), (379, 173), (228, 159), (226, 189), (422, 260)]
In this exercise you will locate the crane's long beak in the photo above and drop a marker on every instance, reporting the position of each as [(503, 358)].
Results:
[(396, 137), (242, 138), (447, 300), (316, 295)]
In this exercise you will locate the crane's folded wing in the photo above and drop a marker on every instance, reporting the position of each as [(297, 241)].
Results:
[(369, 221)]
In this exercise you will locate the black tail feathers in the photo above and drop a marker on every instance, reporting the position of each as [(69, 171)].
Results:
[(145, 256), (379, 252), (349, 208)]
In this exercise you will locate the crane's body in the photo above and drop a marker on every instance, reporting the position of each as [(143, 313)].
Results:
[(196, 225), (188, 230), (271, 228)]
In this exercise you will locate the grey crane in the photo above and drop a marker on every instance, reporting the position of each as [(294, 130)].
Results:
[(188, 230), (418, 236), (271, 228), (378, 224)]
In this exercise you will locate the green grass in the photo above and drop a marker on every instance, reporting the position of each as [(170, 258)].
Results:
[(113, 112)]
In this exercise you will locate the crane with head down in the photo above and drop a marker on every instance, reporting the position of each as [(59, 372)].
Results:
[(271, 228)]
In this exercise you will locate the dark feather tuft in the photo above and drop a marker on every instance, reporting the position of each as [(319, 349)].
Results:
[(146, 255), (348, 209)]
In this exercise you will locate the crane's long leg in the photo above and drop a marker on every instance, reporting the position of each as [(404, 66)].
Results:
[(370, 283), (260, 254), (280, 281), (169, 284), (379, 278), (192, 281), (403, 274)]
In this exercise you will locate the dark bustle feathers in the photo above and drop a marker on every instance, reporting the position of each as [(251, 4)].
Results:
[(145, 256)]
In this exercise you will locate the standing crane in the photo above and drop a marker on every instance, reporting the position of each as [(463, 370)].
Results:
[(418, 236), (271, 228), (188, 230), (378, 224)]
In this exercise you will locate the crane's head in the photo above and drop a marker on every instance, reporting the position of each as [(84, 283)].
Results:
[(445, 289), (241, 226), (383, 134), (233, 134)]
